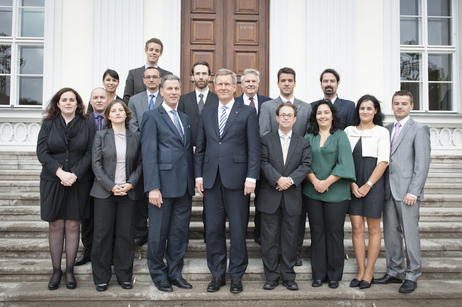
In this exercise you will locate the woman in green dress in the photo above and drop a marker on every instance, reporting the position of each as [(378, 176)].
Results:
[(326, 194)]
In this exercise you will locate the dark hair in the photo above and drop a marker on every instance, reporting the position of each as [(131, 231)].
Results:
[(52, 111), (108, 122), (286, 104), (111, 73), (200, 63), (286, 70), (156, 41), (336, 120), (169, 77), (378, 117), (331, 71), (403, 93), (150, 67)]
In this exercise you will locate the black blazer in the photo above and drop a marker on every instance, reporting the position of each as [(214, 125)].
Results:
[(104, 164), (261, 100), (188, 105), (134, 83), (72, 151)]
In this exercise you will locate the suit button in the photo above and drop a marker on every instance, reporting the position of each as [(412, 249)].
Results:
[(219, 143)]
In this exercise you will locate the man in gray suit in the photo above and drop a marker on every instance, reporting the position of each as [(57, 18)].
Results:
[(138, 105), (404, 189), (269, 124)]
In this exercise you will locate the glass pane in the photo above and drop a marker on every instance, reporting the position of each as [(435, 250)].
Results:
[(5, 59), (439, 30), (30, 90), (440, 67), (438, 8), (410, 31), (440, 96), (414, 88), (6, 2), (31, 22), (30, 60), (5, 21), (410, 66), (4, 90), (33, 3), (409, 7)]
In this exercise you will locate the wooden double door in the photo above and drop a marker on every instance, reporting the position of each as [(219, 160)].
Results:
[(231, 34)]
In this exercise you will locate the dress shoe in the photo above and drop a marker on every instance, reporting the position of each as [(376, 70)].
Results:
[(127, 285), (364, 284), (53, 285), (101, 287), (83, 259), (408, 286), (236, 285), (181, 283), (298, 261), (71, 284), (140, 241), (355, 283), (258, 240), (387, 279), (290, 284), (164, 285), (317, 283), (333, 284), (271, 284), (216, 283)]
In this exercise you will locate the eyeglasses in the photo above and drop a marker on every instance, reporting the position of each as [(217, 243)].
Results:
[(286, 115), (151, 77)]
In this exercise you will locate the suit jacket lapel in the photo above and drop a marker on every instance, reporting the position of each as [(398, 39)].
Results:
[(194, 103), (278, 148), (159, 100), (290, 152), (215, 119), (403, 132), (144, 103), (169, 121), (183, 123), (232, 115)]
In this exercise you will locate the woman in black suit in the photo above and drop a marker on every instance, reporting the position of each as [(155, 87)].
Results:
[(64, 149), (118, 174), (111, 83)]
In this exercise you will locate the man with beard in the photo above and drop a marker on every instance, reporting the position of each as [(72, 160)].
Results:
[(330, 80), (192, 103)]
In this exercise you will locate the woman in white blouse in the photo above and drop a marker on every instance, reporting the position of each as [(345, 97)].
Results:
[(370, 143)]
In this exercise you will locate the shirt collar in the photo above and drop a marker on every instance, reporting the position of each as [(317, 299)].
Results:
[(167, 107), (204, 93), (288, 134), (291, 100), (229, 104), (402, 122)]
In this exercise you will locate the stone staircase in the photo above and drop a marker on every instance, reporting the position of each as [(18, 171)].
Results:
[(25, 265)]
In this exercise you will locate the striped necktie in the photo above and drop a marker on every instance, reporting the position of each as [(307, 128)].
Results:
[(223, 118)]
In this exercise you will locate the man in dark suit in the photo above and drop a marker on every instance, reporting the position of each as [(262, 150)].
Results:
[(169, 181), (227, 165), (134, 83), (404, 189), (138, 105), (285, 162), (250, 82), (99, 101), (330, 80)]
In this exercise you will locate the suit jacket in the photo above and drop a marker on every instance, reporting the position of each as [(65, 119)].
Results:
[(237, 151), (268, 122), (104, 162), (167, 158), (298, 164), (134, 83), (90, 107), (261, 100), (138, 105), (91, 119), (345, 108), (409, 161), (188, 105)]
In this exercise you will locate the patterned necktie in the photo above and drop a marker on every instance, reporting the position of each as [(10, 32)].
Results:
[(176, 121), (252, 103), (285, 148), (201, 103), (151, 102), (396, 134), (100, 122), (223, 118)]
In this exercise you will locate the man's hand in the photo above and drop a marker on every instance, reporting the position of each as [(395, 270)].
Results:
[(200, 187), (283, 183), (249, 187), (409, 200), (155, 198)]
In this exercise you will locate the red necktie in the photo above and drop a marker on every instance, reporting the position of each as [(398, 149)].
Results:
[(252, 104)]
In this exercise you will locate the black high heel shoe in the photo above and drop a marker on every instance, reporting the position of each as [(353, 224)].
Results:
[(364, 284), (53, 285), (71, 285)]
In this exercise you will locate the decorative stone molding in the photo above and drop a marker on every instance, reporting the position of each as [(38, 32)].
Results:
[(446, 140), (18, 136)]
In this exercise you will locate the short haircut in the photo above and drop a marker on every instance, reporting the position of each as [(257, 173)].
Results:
[(286, 70), (250, 71), (330, 71), (403, 93), (286, 104), (337, 123), (108, 122), (52, 111), (378, 117), (112, 73), (200, 63), (150, 67), (154, 40), (169, 77), (224, 71), (100, 88)]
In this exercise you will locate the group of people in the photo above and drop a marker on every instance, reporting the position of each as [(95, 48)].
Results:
[(127, 163)]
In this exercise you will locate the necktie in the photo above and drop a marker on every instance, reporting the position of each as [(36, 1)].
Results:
[(252, 104), (223, 118), (396, 134), (201, 103), (100, 122), (151, 102), (176, 121), (285, 148)]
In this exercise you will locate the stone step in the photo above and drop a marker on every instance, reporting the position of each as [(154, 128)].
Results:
[(14, 164), (429, 293), (20, 175)]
